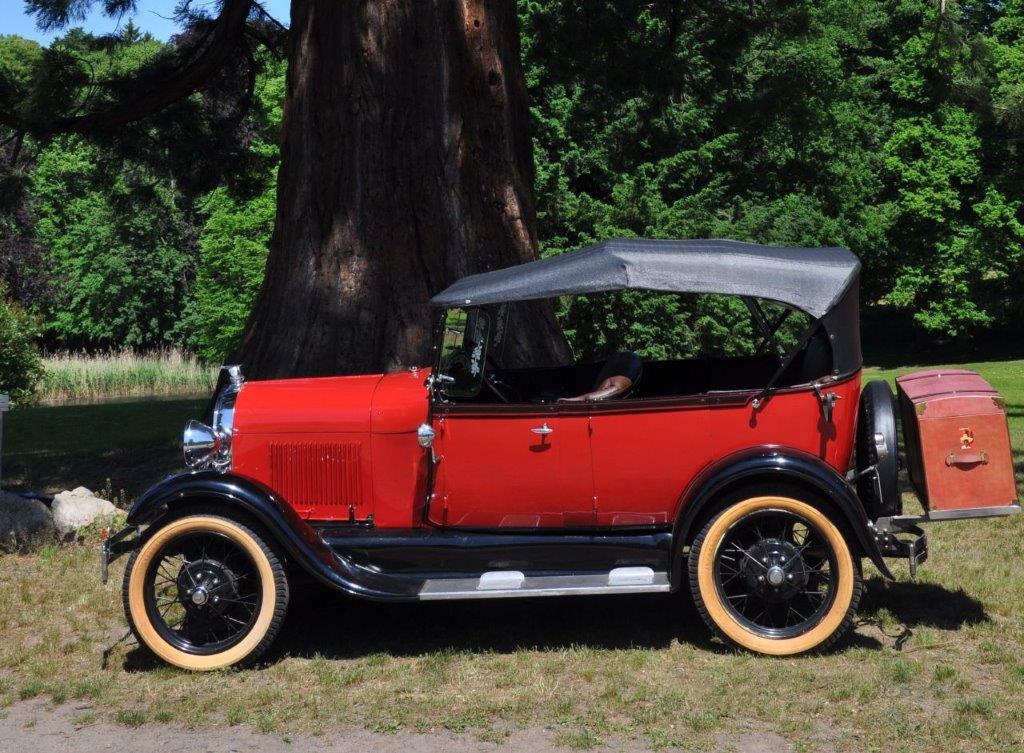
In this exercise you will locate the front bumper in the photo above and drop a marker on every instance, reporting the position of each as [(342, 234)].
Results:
[(114, 546)]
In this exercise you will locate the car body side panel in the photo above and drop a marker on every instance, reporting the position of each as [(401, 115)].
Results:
[(644, 454), (791, 419), (344, 449), (400, 465), (496, 471), (337, 448)]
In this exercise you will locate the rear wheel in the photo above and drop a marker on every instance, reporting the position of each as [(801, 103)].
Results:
[(774, 575), (205, 592)]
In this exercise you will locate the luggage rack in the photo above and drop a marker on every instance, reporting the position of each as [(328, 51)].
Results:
[(915, 550), (887, 534)]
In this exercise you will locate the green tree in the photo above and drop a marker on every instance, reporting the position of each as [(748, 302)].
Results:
[(21, 368), (116, 243), (233, 257), (234, 238)]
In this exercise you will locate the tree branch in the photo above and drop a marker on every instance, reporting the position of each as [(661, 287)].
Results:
[(223, 41)]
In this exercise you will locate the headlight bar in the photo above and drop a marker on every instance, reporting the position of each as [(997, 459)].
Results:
[(210, 446)]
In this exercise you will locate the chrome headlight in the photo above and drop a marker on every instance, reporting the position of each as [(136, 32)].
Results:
[(200, 443), (210, 446)]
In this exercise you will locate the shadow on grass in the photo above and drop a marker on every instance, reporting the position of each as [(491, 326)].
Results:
[(323, 623), (922, 604), (129, 470)]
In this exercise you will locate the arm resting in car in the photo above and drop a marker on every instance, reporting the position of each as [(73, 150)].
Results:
[(611, 387)]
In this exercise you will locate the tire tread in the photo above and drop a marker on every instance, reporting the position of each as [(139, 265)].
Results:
[(698, 599), (276, 566)]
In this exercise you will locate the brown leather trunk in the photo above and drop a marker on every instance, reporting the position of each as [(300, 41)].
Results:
[(957, 441)]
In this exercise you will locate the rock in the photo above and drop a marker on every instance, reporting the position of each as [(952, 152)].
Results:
[(25, 524), (79, 508)]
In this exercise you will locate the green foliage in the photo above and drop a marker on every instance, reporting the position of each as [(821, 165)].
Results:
[(20, 365), (233, 239), (883, 127), (116, 243), (233, 254), (891, 128)]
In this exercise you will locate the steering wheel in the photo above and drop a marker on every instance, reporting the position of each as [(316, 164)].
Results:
[(505, 392)]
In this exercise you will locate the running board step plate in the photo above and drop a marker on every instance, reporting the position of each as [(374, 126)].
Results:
[(504, 584)]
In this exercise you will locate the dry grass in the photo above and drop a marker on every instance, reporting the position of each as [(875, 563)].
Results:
[(78, 376), (592, 669)]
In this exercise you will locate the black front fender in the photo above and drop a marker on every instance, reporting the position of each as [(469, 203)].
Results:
[(775, 465), (299, 540)]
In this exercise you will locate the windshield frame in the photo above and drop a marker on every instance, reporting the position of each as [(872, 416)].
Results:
[(468, 355)]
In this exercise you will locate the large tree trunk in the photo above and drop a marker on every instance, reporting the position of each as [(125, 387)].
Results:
[(406, 164)]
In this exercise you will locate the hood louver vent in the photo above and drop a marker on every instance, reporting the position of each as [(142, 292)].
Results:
[(318, 475)]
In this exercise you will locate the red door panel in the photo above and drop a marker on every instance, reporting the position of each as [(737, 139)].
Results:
[(495, 471), (644, 456)]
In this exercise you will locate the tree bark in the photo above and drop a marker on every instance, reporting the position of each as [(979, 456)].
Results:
[(406, 164)]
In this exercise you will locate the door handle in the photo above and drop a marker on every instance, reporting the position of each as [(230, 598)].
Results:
[(542, 430)]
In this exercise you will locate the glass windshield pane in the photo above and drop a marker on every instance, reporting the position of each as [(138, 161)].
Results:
[(463, 352)]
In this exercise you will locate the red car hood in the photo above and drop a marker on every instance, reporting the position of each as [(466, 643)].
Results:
[(383, 403), (306, 406)]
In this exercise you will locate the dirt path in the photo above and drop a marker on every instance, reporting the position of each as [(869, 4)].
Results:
[(33, 726)]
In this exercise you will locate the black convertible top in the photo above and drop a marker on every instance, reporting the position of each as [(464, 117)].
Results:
[(822, 282), (813, 280)]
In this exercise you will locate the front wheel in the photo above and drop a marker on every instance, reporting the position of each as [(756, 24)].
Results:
[(205, 592), (774, 575)]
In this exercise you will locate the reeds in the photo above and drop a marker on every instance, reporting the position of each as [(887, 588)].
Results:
[(82, 376)]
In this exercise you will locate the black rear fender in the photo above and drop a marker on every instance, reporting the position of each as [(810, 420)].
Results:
[(300, 542), (773, 469)]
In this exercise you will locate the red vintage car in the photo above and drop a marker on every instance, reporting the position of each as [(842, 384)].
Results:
[(468, 478)]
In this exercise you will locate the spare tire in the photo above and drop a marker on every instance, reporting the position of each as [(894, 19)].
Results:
[(876, 445)]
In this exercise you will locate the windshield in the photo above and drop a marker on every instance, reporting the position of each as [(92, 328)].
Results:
[(463, 352)]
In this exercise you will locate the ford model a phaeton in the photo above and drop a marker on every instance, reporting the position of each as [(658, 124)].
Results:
[(730, 477)]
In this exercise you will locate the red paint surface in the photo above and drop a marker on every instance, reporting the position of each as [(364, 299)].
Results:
[(337, 448), (497, 473), (623, 463), (958, 440)]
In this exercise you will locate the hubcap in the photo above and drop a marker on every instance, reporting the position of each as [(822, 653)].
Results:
[(774, 572), (205, 586), (203, 593), (774, 569)]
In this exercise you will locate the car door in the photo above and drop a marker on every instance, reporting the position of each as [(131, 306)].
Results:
[(645, 452), (512, 467)]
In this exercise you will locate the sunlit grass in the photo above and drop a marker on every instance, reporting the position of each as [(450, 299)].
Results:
[(79, 376)]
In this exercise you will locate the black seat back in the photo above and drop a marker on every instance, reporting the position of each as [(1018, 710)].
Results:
[(624, 363)]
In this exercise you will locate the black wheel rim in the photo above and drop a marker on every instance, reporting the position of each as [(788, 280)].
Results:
[(776, 573), (202, 592)]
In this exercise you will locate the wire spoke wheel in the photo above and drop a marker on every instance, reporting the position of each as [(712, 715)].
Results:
[(774, 575), (205, 592), (201, 592)]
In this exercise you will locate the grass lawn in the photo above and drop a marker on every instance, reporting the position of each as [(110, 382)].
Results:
[(124, 446), (593, 670)]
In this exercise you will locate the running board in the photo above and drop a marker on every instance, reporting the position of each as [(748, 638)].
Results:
[(504, 584)]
